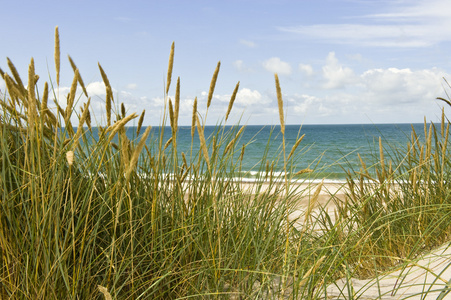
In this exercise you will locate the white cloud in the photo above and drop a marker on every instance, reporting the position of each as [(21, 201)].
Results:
[(276, 65), (306, 69), (246, 97), (335, 74), (247, 43), (240, 66), (132, 86), (96, 88), (407, 24)]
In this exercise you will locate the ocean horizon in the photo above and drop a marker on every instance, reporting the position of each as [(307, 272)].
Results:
[(329, 150)]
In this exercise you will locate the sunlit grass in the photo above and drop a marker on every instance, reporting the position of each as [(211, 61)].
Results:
[(84, 217)]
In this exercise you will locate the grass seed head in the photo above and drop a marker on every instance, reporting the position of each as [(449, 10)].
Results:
[(213, 84), (232, 100), (57, 55), (80, 80), (194, 117), (140, 122), (70, 157), (170, 66), (280, 104)]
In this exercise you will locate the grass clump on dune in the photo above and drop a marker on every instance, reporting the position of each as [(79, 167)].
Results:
[(86, 216)]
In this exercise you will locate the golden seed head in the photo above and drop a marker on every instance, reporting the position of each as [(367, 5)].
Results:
[(137, 152), (203, 144), (177, 104), (280, 104), (16, 76), (295, 146), (105, 292), (70, 157), (171, 115), (140, 122), (170, 65), (168, 142), (193, 122), (213, 84), (80, 80), (122, 110), (232, 99), (57, 55), (31, 94)]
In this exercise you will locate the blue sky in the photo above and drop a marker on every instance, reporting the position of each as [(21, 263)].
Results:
[(342, 61)]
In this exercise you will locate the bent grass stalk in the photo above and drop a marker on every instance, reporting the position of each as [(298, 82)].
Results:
[(83, 219)]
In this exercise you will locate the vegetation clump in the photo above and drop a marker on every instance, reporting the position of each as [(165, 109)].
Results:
[(86, 212)]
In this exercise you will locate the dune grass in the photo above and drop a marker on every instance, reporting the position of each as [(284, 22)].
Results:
[(84, 217)]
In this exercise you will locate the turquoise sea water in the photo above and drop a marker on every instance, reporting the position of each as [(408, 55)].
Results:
[(328, 149)]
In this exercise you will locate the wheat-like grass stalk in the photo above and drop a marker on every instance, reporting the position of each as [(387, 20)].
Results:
[(119, 124), (280, 104), (83, 118), (203, 144), (109, 94), (293, 149), (57, 55), (70, 157), (168, 142), (140, 122), (12, 88), (232, 142), (303, 171), (306, 276), (71, 97), (80, 80), (122, 109), (31, 95), (16, 76), (193, 118), (177, 104), (137, 152), (243, 148), (171, 116), (170, 66), (213, 84), (232, 100), (88, 116)]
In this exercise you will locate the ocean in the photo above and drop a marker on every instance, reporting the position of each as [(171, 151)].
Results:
[(329, 150)]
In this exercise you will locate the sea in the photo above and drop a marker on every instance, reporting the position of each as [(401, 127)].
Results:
[(329, 150)]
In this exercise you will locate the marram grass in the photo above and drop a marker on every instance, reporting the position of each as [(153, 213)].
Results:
[(139, 220)]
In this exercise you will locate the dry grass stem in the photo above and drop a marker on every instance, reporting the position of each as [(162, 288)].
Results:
[(177, 104), (303, 171), (232, 142), (80, 80), (31, 94), (193, 118), (105, 292), (232, 100), (280, 104), (213, 84), (137, 152), (171, 116), (71, 97), (293, 149), (168, 142), (203, 144), (57, 55), (70, 157), (170, 66), (83, 118), (140, 122), (16, 76)]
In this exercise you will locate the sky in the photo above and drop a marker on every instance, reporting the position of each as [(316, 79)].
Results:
[(338, 61)]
